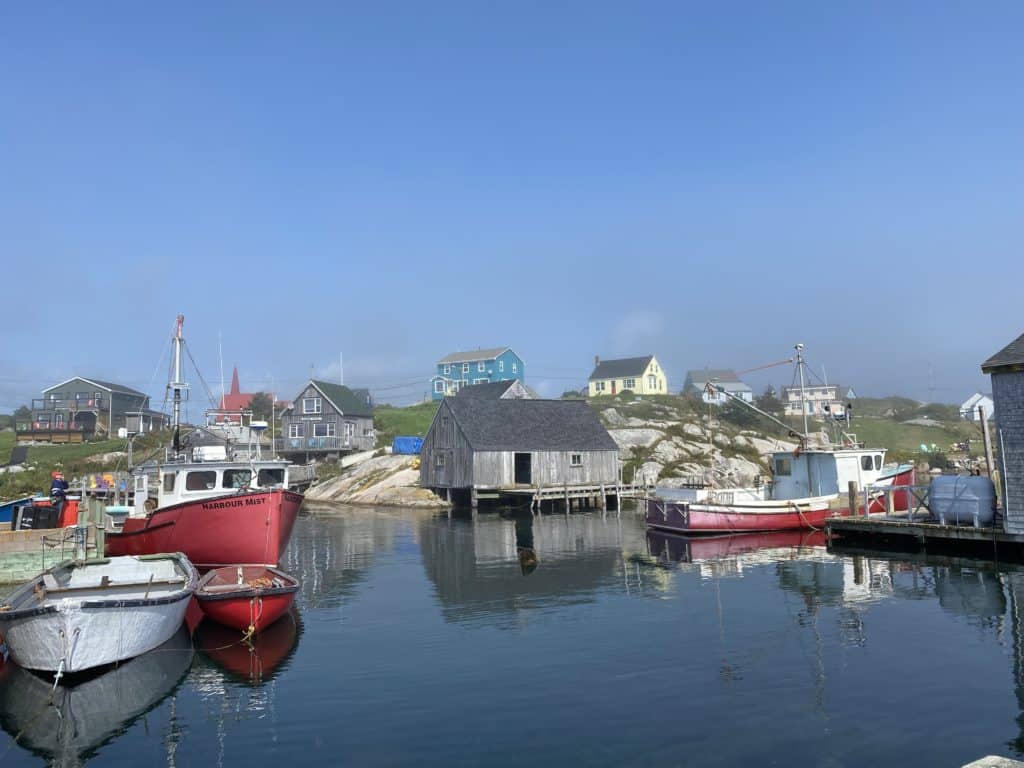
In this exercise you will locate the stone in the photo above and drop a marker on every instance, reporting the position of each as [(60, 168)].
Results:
[(636, 438)]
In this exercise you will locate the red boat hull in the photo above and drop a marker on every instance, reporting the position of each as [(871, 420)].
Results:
[(685, 517), (263, 597), (246, 529)]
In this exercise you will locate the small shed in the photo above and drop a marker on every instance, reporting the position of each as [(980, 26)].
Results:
[(506, 446), (1006, 367)]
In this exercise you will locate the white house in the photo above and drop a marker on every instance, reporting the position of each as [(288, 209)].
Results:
[(697, 381), (815, 398), (969, 407)]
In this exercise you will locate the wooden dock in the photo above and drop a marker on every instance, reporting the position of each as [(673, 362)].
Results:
[(567, 497), (904, 532)]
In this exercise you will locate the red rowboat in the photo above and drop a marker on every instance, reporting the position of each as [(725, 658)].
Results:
[(248, 598)]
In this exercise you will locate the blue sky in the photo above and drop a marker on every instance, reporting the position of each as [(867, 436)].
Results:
[(395, 181)]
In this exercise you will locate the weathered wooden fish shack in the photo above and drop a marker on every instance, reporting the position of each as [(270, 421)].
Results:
[(519, 451)]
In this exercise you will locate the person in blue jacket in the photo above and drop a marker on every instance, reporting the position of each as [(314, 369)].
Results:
[(58, 490)]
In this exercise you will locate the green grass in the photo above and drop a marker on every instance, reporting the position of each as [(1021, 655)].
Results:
[(904, 440), (390, 421), (72, 459)]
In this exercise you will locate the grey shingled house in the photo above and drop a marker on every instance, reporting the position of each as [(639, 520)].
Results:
[(500, 446), (326, 420), (1006, 368)]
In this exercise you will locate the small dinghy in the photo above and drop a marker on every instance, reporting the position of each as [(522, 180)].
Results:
[(81, 615), (246, 597)]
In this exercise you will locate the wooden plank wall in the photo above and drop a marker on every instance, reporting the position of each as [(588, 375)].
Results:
[(496, 469)]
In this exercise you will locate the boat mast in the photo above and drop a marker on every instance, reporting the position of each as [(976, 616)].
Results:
[(803, 394), (177, 384)]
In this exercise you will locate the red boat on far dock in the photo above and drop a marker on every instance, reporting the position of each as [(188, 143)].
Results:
[(248, 598)]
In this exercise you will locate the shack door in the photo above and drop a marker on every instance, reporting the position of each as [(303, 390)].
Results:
[(524, 469)]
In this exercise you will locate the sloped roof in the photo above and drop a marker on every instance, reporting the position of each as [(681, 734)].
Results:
[(1010, 355), (616, 369), (107, 385), (473, 355), (493, 390), (529, 425), (723, 376), (344, 399)]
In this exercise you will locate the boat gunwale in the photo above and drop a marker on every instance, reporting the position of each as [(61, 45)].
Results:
[(244, 590)]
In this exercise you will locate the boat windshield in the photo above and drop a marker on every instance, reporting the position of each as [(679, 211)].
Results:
[(273, 476)]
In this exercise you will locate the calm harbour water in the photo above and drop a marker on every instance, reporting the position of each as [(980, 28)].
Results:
[(428, 640)]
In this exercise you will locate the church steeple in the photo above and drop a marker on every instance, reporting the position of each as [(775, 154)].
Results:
[(234, 382)]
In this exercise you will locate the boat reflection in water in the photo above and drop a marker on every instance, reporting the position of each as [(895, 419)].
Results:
[(92, 711), (771, 545), (256, 660)]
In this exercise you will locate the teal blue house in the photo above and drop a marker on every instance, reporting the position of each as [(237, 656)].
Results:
[(480, 366)]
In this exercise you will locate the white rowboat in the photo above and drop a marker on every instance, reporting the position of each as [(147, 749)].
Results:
[(78, 616)]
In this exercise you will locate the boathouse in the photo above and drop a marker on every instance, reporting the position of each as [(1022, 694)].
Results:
[(494, 448), (1006, 367)]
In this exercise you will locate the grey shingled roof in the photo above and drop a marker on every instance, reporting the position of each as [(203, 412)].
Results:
[(492, 390), (530, 425), (473, 355), (344, 399), (616, 369), (110, 386), (1010, 355)]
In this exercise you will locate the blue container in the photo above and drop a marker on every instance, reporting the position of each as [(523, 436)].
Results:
[(407, 446), (962, 500)]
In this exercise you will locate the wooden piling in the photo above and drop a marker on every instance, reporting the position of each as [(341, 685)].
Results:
[(851, 495)]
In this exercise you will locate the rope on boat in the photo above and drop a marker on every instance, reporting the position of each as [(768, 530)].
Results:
[(802, 517)]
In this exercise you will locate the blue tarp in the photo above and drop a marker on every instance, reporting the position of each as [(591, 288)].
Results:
[(408, 446)]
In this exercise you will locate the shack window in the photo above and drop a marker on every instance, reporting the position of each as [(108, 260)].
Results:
[(311, 405), (236, 478), (783, 467), (439, 461), (168, 482), (576, 460), (296, 429), (201, 481), (271, 477), (878, 461), (866, 462)]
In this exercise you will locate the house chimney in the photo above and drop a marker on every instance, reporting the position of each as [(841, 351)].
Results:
[(597, 361)]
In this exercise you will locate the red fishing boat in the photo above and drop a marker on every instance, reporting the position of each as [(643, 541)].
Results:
[(248, 598), (219, 505)]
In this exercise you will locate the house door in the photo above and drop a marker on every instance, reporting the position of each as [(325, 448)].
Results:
[(613, 386), (524, 469)]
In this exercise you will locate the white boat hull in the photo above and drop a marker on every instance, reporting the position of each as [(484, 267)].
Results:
[(109, 624)]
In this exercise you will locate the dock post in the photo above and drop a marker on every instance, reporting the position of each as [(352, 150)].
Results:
[(604, 499), (565, 488), (851, 491), (987, 442), (473, 500)]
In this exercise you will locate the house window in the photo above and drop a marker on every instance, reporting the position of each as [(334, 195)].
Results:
[(439, 386), (481, 366), (58, 420), (599, 386), (312, 405), (629, 383), (783, 467), (324, 429), (444, 422), (236, 478), (367, 431), (439, 461), (296, 430), (501, 366), (350, 429), (447, 369), (652, 382), (479, 381), (168, 482), (201, 481), (575, 460), (465, 367), (514, 367)]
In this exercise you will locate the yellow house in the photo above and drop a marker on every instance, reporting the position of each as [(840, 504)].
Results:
[(640, 375)]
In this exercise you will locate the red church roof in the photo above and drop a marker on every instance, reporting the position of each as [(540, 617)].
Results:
[(235, 400)]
